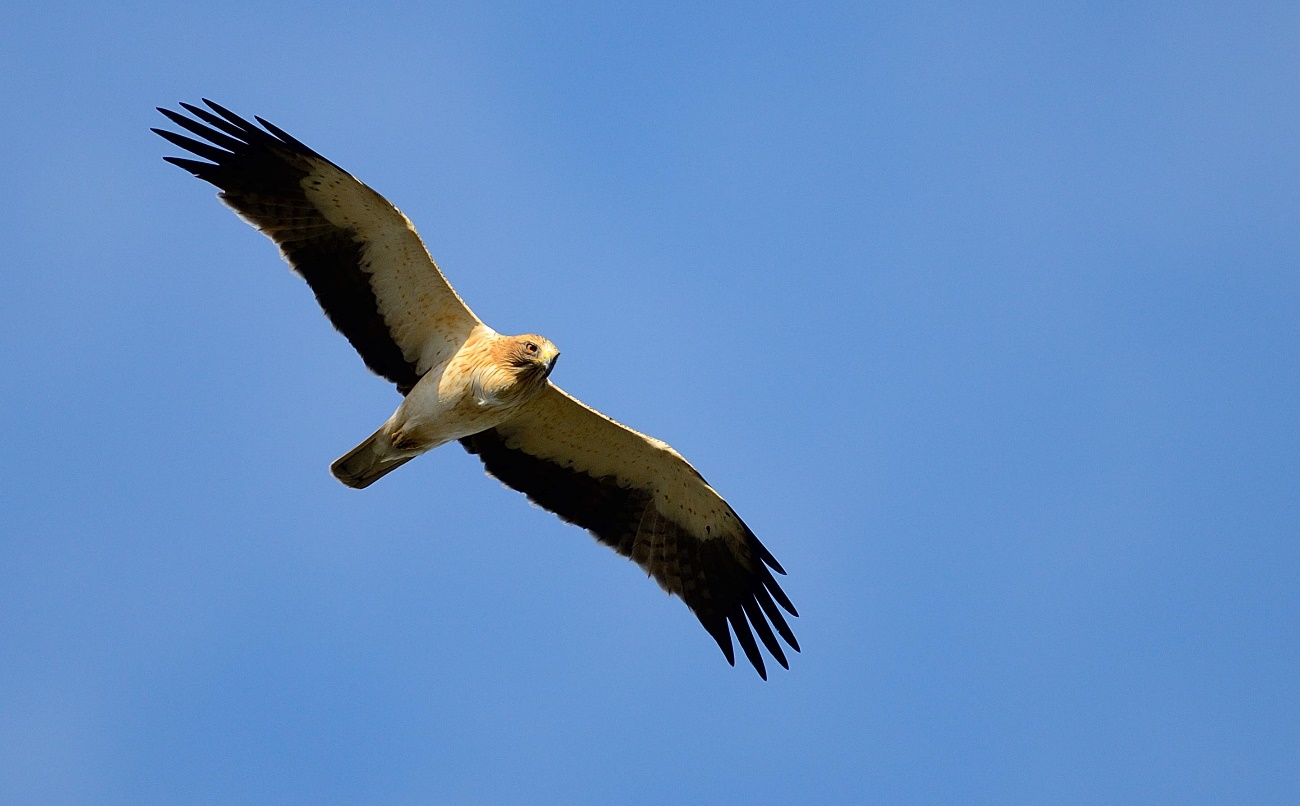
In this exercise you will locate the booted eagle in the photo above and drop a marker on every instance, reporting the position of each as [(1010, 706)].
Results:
[(463, 381)]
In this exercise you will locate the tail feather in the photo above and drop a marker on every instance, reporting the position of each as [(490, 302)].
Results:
[(368, 462)]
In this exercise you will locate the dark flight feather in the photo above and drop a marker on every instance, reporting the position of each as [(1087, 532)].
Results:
[(259, 173)]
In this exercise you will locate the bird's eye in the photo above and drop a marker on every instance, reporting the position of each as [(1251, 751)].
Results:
[(530, 347)]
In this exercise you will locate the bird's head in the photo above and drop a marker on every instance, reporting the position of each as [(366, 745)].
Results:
[(517, 369), (529, 358)]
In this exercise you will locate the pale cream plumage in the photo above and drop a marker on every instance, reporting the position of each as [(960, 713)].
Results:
[(462, 381)]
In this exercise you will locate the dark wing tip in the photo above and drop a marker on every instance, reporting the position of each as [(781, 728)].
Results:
[(287, 138), (773, 613), (230, 116), (761, 551), (717, 628), (199, 169), (764, 631), (740, 626), (740, 597), (207, 152), (226, 143), (770, 584), (232, 137)]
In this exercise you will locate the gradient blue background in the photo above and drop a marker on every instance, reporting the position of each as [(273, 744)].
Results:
[(987, 321)]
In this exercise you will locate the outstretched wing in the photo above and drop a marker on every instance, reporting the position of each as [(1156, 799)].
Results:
[(641, 498), (369, 269)]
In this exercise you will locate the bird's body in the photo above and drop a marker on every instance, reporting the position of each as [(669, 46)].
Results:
[(480, 386), (463, 381)]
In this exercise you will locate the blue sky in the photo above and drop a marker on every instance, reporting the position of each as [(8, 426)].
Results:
[(984, 318)]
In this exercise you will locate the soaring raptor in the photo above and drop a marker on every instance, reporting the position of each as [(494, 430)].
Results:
[(463, 381)]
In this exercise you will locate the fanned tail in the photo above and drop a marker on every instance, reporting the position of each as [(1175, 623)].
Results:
[(368, 462)]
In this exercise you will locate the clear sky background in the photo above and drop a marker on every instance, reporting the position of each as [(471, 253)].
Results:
[(987, 320)]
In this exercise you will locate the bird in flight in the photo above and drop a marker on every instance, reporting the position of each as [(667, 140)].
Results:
[(463, 381)]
